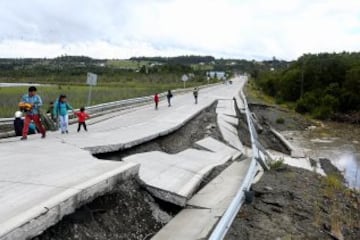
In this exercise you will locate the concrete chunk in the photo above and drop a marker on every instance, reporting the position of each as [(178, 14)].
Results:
[(176, 174), (189, 224), (213, 145), (218, 194)]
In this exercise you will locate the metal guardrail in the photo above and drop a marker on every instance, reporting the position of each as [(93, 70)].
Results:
[(258, 158)]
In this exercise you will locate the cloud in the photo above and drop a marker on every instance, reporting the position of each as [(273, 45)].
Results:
[(223, 28)]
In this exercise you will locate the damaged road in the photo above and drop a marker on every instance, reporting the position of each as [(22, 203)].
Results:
[(128, 212)]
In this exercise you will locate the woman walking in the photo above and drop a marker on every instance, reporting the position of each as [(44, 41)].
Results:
[(61, 108)]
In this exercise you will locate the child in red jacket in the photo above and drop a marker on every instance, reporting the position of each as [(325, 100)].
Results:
[(82, 116), (156, 100)]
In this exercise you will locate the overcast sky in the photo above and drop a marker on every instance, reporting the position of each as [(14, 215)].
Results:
[(251, 29)]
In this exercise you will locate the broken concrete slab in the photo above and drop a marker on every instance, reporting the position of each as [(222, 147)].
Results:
[(296, 162), (214, 145), (179, 174), (218, 194), (207, 206), (189, 224), (38, 190), (226, 107), (230, 134)]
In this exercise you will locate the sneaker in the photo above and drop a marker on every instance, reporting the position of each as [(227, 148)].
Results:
[(43, 136), (62, 132), (23, 138), (67, 131)]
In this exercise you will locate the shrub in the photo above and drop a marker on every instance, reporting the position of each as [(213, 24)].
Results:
[(280, 121), (276, 164)]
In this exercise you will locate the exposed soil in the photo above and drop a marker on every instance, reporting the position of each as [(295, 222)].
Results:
[(292, 203), (128, 212), (267, 139), (201, 126), (278, 118), (353, 117)]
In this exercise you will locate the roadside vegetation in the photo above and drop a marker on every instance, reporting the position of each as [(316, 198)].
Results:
[(322, 85), (117, 79)]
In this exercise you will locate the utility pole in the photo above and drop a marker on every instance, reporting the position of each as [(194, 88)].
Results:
[(302, 78)]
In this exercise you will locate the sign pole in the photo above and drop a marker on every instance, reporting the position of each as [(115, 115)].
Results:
[(91, 81), (184, 78), (89, 96)]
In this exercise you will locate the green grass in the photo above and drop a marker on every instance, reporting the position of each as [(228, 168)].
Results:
[(276, 164), (77, 94)]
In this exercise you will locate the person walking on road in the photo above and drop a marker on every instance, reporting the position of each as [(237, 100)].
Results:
[(156, 100), (169, 96), (195, 93), (30, 104), (61, 108), (82, 116)]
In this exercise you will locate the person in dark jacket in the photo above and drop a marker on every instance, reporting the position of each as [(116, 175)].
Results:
[(196, 93), (18, 123), (169, 96)]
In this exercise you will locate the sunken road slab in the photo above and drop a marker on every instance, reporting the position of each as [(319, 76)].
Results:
[(205, 209), (37, 189), (213, 145), (174, 177), (218, 194), (189, 224)]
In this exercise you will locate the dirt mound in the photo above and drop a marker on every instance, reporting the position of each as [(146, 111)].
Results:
[(128, 212)]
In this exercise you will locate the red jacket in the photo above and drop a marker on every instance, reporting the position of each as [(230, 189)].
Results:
[(156, 98), (82, 116)]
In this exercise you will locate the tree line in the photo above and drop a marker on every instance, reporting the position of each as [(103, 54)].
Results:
[(320, 84)]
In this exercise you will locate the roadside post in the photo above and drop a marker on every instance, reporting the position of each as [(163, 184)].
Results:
[(91, 81), (184, 78)]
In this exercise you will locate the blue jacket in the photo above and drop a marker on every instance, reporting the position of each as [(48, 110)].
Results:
[(61, 108), (35, 100)]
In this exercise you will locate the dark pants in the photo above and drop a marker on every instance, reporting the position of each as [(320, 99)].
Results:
[(37, 121), (156, 105), (83, 124), (169, 101)]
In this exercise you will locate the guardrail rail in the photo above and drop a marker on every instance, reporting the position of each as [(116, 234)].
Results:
[(259, 159)]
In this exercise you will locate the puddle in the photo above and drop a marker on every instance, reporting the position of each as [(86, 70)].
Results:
[(335, 141)]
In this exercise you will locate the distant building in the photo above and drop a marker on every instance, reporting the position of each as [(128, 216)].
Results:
[(216, 74)]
